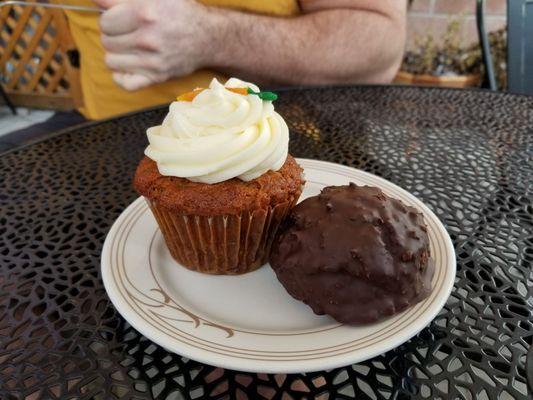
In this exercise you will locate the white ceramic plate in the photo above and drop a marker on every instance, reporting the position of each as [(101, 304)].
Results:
[(249, 322)]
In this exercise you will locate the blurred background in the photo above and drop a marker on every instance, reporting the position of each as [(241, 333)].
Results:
[(427, 16), (39, 62)]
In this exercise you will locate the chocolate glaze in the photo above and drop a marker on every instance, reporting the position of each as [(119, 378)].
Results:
[(353, 253)]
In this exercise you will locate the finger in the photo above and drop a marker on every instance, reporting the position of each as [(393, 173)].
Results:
[(130, 81), (120, 44), (128, 62), (108, 3), (120, 19)]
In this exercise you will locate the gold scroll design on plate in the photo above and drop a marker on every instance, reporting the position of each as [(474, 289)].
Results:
[(167, 302)]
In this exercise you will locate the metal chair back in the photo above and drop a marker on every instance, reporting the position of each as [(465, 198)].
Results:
[(519, 46)]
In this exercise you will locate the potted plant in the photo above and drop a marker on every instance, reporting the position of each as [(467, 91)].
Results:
[(445, 64)]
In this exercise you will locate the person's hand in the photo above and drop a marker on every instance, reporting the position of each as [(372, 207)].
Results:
[(148, 42)]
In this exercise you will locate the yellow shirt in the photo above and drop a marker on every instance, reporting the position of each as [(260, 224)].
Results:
[(103, 98)]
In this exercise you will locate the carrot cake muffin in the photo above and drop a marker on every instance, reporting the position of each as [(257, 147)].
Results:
[(218, 177)]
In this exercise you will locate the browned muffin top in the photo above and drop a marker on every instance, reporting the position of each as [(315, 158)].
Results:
[(229, 197)]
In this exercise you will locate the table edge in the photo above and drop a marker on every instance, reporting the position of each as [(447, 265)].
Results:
[(91, 123)]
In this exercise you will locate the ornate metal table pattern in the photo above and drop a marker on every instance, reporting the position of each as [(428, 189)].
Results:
[(467, 154)]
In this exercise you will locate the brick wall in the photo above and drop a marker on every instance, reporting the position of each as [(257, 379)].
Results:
[(434, 15)]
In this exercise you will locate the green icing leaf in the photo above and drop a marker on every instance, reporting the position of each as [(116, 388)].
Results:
[(269, 96)]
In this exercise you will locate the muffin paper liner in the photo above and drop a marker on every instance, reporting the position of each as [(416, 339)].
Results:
[(226, 244)]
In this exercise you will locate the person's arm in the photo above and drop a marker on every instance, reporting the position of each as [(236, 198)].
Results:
[(346, 41), (333, 41)]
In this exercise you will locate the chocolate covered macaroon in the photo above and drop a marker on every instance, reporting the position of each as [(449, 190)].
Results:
[(354, 253)]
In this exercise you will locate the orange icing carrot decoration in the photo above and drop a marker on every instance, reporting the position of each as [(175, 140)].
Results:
[(238, 90), (189, 96)]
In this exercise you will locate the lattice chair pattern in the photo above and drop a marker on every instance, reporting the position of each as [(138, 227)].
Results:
[(35, 68)]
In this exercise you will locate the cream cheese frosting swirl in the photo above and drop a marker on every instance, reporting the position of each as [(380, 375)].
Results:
[(219, 135)]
